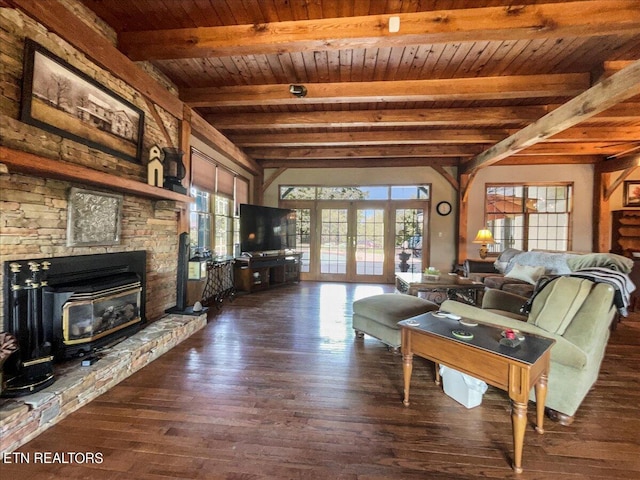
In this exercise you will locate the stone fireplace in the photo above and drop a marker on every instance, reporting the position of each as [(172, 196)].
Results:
[(65, 307)]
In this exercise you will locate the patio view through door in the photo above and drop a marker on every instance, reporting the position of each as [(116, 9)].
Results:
[(359, 234), (352, 243)]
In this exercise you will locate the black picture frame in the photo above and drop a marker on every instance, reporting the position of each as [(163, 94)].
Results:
[(59, 98), (632, 193)]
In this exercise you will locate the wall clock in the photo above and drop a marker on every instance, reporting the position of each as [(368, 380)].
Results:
[(443, 208)]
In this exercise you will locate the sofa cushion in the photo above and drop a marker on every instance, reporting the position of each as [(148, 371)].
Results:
[(526, 273), (563, 351), (555, 305), (390, 308), (522, 289), (499, 281)]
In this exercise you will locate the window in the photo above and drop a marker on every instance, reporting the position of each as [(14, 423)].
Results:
[(224, 226), (200, 222), (529, 217), (384, 192), (213, 223)]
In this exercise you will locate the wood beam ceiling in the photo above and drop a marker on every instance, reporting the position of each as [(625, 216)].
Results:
[(437, 151), (478, 88), (607, 135), (614, 89), (426, 151), (370, 138), (357, 163), (437, 117), (554, 20)]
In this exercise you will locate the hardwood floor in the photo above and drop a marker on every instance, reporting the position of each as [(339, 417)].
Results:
[(277, 387)]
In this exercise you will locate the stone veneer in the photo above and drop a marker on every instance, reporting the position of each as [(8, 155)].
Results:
[(33, 210), (24, 418)]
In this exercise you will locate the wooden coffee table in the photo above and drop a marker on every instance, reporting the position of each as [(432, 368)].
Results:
[(446, 286), (515, 370)]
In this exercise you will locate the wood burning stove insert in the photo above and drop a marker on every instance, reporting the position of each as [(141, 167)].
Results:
[(65, 307)]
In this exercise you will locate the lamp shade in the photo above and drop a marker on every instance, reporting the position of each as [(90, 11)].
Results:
[(484, 237)]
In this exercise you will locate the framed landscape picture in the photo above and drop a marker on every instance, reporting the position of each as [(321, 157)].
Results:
[(61, 99), (632, 193)]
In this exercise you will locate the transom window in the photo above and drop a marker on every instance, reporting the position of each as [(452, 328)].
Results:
[(529, 217), (378, 192)]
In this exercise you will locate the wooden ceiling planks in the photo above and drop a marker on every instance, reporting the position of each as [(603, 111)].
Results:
[(566, 45)]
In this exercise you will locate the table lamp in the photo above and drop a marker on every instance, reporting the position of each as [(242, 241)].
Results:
[(484, 237)]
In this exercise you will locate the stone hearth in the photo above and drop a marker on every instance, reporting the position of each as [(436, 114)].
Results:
[(24, 418)]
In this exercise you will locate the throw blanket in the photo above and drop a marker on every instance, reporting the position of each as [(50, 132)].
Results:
[(619, 281)]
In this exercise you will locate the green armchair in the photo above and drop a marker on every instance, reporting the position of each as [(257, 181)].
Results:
[(576, 313)]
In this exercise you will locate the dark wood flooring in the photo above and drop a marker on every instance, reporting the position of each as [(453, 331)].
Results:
[(277, 387)]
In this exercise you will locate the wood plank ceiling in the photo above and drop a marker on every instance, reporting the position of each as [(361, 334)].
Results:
[(463, 82)]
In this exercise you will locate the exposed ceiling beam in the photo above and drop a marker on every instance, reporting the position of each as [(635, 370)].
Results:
[(610, 135), (473, 116), (222, 144), (606, 93), (358, 163), (369, 138), (597, 134), (437, 151), (554, 20), (573, 148), (476, 88), (618, 164), (552, 160)]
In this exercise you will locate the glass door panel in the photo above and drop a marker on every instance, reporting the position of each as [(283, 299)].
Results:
[(334, 229), (360, 241), (303, 237), (369, 243), (409, 224)]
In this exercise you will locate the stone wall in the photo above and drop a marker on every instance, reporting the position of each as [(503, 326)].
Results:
[(33, 221)]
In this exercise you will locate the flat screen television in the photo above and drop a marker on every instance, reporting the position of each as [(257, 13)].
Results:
[(266, 228)]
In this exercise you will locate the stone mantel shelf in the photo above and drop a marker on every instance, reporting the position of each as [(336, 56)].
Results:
[(24, 162)]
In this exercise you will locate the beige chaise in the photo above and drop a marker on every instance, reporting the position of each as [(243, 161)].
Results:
[(576, 313)]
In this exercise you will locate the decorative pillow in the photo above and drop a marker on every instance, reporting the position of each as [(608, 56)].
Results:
[(605, 260), (525, 273), (503, 259)]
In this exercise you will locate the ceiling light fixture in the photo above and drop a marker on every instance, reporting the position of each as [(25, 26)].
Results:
[(298, 90)]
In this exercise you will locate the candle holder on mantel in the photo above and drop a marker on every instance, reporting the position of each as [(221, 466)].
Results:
[(174, 170)]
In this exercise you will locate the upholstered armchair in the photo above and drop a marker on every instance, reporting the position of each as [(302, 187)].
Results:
[(576, 313)]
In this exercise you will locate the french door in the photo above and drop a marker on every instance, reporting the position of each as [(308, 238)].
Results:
[(351, 243), (360, 241)]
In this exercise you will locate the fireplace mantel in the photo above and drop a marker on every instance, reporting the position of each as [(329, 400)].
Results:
[(24, 162)]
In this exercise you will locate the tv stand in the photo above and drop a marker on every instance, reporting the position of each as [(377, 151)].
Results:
[(261, 272)]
